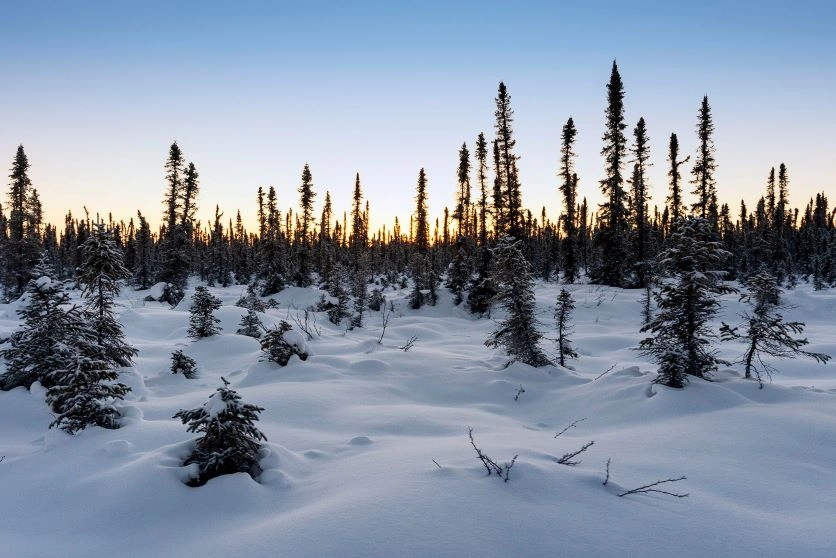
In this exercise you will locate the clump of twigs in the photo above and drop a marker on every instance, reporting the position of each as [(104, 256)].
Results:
[(569, 458), (409, 343), (519, 392), (491, 466)]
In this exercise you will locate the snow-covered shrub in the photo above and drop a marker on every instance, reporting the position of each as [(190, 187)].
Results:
[(250, 301), (376, 300), (250, 325), (182, 363), (202, 321), (278, 346), (230, 442)]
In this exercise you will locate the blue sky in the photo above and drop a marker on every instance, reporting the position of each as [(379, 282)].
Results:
[(97, 91)]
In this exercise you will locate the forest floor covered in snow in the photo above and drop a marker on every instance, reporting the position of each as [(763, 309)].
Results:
[(368, 452)]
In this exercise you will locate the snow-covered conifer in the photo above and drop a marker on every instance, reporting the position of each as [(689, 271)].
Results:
[(99, 275), (82, 393), (230, 441), (202, 320), (277, 347), (43, 342), (250, 325), (563, 317), (181, 363), (517, 333), (681, 340), (766, 332)]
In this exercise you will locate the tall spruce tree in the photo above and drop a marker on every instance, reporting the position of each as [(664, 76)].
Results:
[(482, 177), (611, 244), (461, 214), (705, 187), (681, 333), (509, 186), (676, 207), (21, 249), (568, 187), (303, 251), (175, 254), (639, 200), (422, 272), (99, 276)]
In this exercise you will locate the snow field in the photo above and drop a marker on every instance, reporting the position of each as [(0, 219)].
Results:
[(353, 433)]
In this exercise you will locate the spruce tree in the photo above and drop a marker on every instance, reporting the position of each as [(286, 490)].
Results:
[(563, 319), (250, 325), (613, 253), (639, 198), (459, 272), (461, 213), (202, 320), (143, 270), (230, 442), (766, 332), (681, 334), (420, 264), (482, 177), (509, 185), (21, 249), (568, 188), (81, 393), (676, 208), (277, 349), (705, 188), (44, 343), (517, 332), (99, 277), (181, 363), (175, 256), (306, 200)]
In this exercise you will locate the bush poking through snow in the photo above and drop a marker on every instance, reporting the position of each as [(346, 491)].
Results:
[(202, 321), (182, 363), (277, 348), (250, 325), (766, 332), (491, 466), (230, 442)]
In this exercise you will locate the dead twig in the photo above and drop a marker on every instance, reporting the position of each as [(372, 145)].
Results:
[(649, 488), (569, 458), (606, 372), (570, 426)]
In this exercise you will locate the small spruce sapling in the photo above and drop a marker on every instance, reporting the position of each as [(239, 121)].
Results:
[(563, 317), (766, 332), (277, 348), (202, 320), (82, 393), (182, 363), (250, 325), (230, 441)]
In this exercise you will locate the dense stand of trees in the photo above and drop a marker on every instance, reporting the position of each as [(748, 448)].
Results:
[(619, 244)]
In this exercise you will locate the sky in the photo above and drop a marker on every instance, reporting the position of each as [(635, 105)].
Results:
[(251, 91)]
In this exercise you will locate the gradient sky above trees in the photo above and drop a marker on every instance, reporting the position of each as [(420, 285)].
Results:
[(97, 91)]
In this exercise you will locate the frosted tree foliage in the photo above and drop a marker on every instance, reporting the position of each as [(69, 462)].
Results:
[(229, 441), (517, 333), (681, 340)]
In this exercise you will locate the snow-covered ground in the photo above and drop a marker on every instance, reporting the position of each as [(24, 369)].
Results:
[(368, 451)]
